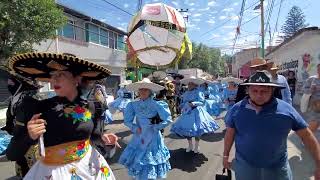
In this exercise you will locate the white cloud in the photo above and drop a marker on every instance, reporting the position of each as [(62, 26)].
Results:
[(175, 3), (228, 10), (204, 9), (119, 18), (234, 18), (121, 28), (197, 15), (125, 5), (156, 0), (228, 27), (211, 21), (196, 20), (211, 3), (235, 4), (103, 20), (215, 35), (191, 4), (222, 17)]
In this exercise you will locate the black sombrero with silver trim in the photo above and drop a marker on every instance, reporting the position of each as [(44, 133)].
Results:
[(39, 65), (262, 78)]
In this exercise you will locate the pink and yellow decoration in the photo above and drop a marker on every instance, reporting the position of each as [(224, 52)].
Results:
[(78, 114), (157, 35)]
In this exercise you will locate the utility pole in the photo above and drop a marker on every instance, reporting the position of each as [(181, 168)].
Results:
[(262, 29)]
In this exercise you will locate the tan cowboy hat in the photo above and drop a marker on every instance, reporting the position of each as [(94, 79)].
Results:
[(259, 62), (274, 67), (144, 84), (207, 80), (193, 80), (125, 83), (231, 79)]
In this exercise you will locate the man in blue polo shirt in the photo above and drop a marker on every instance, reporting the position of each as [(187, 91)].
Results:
[(259, 125)]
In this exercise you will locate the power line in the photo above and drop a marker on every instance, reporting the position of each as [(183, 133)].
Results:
[(239, 23), (117, 7), (276, 25)]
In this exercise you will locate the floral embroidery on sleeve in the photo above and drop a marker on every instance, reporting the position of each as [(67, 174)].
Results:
[(105, 172)]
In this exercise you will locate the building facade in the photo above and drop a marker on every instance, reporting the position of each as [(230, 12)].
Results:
[(92, 40), (301, 54), (241, 62)]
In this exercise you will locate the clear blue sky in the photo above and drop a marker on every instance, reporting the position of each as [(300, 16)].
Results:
[(212, 22)]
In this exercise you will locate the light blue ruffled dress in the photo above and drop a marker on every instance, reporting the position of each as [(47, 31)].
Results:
[(196, 121), (212, 100), (123, 99), (146, 156), (4, 141), (230, 97)]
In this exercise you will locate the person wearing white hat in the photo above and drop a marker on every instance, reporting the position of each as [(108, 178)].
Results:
[(230, 92), (194, 120), (146, 156), (123, 99)]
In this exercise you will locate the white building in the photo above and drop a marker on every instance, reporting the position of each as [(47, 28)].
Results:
[(240, 63), (300, 53), (92, 40)]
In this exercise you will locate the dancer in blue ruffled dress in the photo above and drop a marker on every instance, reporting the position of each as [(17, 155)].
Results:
[(194, 120), (230, 94), (123, 99), (146, 156), (212, 104)]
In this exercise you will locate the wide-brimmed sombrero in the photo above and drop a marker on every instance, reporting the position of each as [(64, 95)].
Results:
[(262, 78), (231, 79), (19, 78), (39, 65), (145, 84), (259, 62), (125, 83), (193, 80), (274, 67)]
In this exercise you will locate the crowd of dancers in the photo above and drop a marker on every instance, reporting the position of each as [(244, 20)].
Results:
[(69, 127)]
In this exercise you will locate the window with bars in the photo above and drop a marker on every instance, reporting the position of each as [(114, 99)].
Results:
[(68, 30)]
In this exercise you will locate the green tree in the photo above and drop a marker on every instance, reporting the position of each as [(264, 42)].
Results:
[(205, 58), (24, 23), (295, 21)]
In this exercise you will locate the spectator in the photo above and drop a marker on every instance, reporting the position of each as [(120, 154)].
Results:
[(292, 83)]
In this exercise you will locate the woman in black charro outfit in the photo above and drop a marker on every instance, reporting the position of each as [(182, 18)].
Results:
[(65, 124)]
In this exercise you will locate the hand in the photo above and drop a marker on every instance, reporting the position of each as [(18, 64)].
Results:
[(226, 163), (317, 173), (36, 127), (139, 130), (110, 139)]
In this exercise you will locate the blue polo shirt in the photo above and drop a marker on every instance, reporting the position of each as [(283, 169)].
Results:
[(261, 139)]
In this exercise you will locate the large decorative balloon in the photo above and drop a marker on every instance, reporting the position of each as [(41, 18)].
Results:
[(157, 35)]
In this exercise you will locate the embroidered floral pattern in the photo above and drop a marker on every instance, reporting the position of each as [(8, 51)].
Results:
[(77, 152), (78, 114), (105, 171)]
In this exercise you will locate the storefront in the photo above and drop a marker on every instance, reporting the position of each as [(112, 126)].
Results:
[(301, 54)]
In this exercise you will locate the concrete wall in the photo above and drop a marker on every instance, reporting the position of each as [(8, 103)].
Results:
[(243, 57), (306, 43)]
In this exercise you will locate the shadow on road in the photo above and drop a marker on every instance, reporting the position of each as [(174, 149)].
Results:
[(213, 137), (184, 161), (174, 136)]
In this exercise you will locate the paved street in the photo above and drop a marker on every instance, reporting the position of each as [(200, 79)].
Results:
[(189, 166)]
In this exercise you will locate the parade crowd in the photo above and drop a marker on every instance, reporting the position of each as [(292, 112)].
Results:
[(64, 137)]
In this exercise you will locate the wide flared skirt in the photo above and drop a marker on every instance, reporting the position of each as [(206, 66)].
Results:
[(195, 123), (91, 167)]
